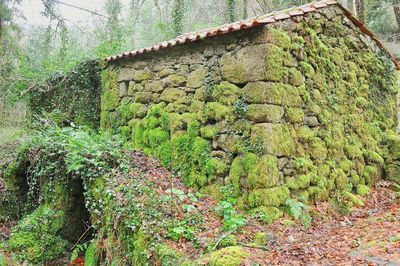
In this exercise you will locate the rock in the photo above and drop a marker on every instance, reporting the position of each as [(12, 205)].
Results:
[(154, 86), (231, 70), (196, 78), (123, 89), (311, 121), (265, 173), (275, 196), (273, 139), (141, 75), (272, 93), (143, 97), (125, 74), (166, 72), (172, 94), (263, 113)]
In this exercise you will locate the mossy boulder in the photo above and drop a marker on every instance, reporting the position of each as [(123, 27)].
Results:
[(225, 93), (196, 78), (264, 173), (275, 196), (393, 172), (142, 75), (172, 94), (273, 139), (263, 113), (272, 93), (267, 215), (218, 112), (232, 70), (230, 256)]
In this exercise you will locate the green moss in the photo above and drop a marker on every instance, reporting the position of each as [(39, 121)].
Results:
[(307, 69), (167, 256), (140, 252), (264, 173), (278, 37), (228, 241), (232, 70), (274, 69), (240, 168), (267, 215), (209, 132), (260, 239), (295, 115), (273, 139), (172, 94), (299, 182), (35, 238), (3, 260), (296, 78), (275, 196), (262, 113), (214, 190), (225, 93), (218, 112), (230, 256), (362, 190), (142, 75), (353, 199), (393, 173), (317, 149), (373, 157)]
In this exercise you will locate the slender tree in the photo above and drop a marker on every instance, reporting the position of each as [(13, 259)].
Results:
[(396, 9), (231, 8), (178, 13), (360, 7)]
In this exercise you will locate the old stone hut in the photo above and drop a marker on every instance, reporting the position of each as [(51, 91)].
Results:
[(299, 103)]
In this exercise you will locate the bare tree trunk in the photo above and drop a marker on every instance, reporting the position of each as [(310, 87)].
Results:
[(396, 8), (360, 6), (350, 6), (245, 13)]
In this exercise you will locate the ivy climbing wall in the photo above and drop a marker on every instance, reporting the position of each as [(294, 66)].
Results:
[(71, 97), (304, 108)]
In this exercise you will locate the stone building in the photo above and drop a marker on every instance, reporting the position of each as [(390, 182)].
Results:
[(300, 103)]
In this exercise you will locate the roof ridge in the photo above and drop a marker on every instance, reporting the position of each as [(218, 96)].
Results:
[(254, 22)]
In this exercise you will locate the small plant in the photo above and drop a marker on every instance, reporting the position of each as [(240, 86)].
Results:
[(299, 211), (232, 221), (240, 107), (78, 250)]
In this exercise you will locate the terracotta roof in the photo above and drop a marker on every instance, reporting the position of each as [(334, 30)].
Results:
[(250, 23)]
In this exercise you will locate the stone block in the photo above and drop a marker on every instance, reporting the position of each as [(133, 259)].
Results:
[(172, 94), (263, 113), (273, 139), (196, 78)]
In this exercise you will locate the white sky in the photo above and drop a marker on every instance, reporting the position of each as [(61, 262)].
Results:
[(32, 11)]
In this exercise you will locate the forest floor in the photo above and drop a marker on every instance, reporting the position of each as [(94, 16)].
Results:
[(369, 235)]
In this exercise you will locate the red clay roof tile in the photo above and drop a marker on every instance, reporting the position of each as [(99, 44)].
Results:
[(253, 22)]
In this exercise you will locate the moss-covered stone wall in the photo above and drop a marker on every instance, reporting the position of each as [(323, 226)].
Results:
[(304, 108)]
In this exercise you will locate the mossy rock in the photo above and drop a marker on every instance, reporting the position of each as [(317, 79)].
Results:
[(232, 70), (172, 94), (168, 256), (225, 93), (298, 182), (229, 256), (240, 169), (142, 75), (273, 139), (295, 115), (263, 113), (272, 93), (362, 190), (196, 78), (392, 172), (218, 112), (264, 173), (228, 241), (267, 215), (275, 196), (35, 230), (214, 190)]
